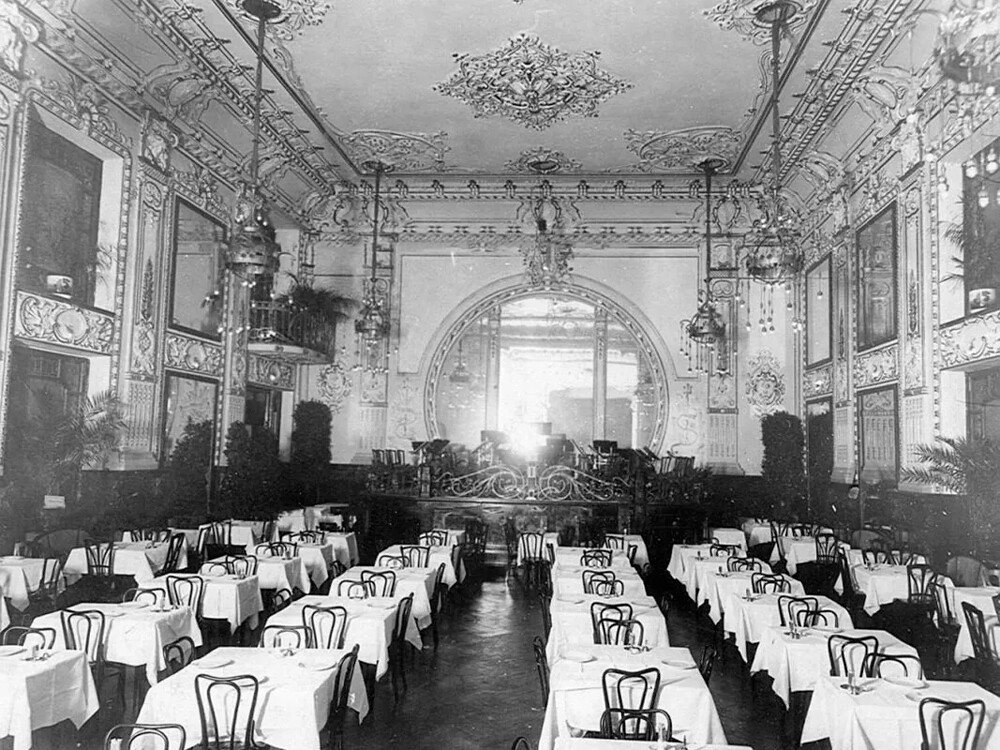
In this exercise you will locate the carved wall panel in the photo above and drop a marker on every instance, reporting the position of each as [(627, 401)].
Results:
[(373, 421), (970, 340), (335, 384), (765, 384), (57, 322), (723, 442), (875, 367), (141, 399), (916, 415), (193, 355), (843, 440), (819, 381), (271, 373)]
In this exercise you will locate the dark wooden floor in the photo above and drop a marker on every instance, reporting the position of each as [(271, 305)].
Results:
[(479, 689)]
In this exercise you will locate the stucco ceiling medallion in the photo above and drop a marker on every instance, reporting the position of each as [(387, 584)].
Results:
[(406, 152), (531, 83), (295, 16), (542, 160), (682, 149), (741, 16)]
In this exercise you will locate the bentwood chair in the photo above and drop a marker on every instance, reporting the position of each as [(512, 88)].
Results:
[(875, 557), (520, 743), (827, 546), (749, 564), (397, 646), (227, 707), (605, 588), (433, 538), (542, 665), (416, 556), (173, 562), (438, 595), (894, 665), (615, 632), (596, 558), (545, 604), (724, 550), (602, 611), (589, 577), (531, 554), (146, 737), (186, 591), (789, 607), (285, 636), (178, 654), (242, 565), (946, 725), (100, 566), (49, 585), (356, 589), (393, 562), (826, 618), (327, 625), (637, 724), (769, 583), (341, 693), (920, 579), (987, 667), (384, 581), (144, 596), (83, 630), (625, 689), (849, 654), (17, 635)]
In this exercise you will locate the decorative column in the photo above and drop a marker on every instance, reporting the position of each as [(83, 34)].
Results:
[(493, 369), (600, 394), (722, 438)]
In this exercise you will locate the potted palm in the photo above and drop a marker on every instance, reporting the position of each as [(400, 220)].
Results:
[(320, 310), (979, 267), (965, 467)]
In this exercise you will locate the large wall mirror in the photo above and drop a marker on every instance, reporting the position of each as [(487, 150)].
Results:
[(196, 299), (187, 401), (548, 362)]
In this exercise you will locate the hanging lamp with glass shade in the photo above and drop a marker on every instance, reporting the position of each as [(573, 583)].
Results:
[(706, 329), (968, 46), (774, 254), (373, 322), (253, 250)]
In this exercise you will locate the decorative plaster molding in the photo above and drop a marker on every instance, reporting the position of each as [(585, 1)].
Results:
[(876, 367), (193, 355), (17, 31), (58, 322), (202, 188), (532, 83), (739, 16), (970, 340), (660, 150), (183, 90), (86, 107), (722, 391), (819, 381), (158, 140), (335, 385), (296, 15), (765, 386), (406, 152), (542, 160), (271, 373)]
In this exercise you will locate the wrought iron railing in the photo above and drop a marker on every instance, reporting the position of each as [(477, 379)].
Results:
[(277, 322)]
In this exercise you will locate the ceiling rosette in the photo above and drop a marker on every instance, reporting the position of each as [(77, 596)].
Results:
[(740, 16), (542, 160)]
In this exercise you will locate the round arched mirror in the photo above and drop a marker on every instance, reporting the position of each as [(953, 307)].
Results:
[(549, 363)]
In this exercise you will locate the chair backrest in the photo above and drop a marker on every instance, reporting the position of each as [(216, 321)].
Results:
[(605, 611), (384, 581), (83, 630), (530, 545), (596, 558), (826, 548), (355, 589), (903, 556), (736, 564), (976, 623), (394, 562), (520, 743), (186, 591), (145, 737), (545, 604), (173, 561), (342, 684), (145, 596), (643, 724), (616, 632), (285, 636), (953, 725), (614, 541), (965, 571), (433, 538), (100, 557), (227, 707), (178, 654), (875, 557), (724, 550), (52, 569), (590, 576), (996, 605), (894, 665), (402, 621), (850, 654), (17, 635), (624, 689), (242, 565), (416, 556), (827, 618), (846, 575), (327, 625), (920, 578), (790, 606), (283, 550), (440, 591), (306, 536), (281, 599), (214, 569), (615, 587), (769, 583), (942, 604), (542, 665)]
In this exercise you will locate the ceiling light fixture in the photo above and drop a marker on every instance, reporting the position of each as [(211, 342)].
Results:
[(968, 46), (252, 250), (372, 324)]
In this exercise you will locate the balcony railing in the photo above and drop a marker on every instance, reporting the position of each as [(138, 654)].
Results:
[(276, 322)]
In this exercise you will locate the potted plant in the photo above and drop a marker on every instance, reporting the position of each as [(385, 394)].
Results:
[(979, 265), (783, 467), (320, 307), (311, 422), (252, 486), (970, 468)]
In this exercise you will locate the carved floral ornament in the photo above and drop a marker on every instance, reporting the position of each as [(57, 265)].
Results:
[(765, 387), (407, 152), (296, 15), (542, 160), (16, 32), (531, 83), (682, 149), (740, 16)]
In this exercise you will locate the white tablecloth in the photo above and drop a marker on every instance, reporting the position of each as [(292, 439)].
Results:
[(641, 553), (571, 557), (748, 620), (293, 703), (18, 577), (226, 598), (758, 533), (247, 534), (133, 636), (416, 581), (587, 743), (729, 536), (982, 598), (885, 717), (438, 555), (572, 624), (345, 547), (275, 573), (141, 560), (717, 586), (569, 582), (882, 585), (369, 624), (317, 558), (36, 694), (796, 665), (576, 698), (4, 616)]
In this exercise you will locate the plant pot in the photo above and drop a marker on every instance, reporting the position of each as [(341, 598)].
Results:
[(983, 298)]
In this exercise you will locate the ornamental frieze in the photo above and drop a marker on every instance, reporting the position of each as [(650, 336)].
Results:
[(58, 322), (874, 367), (193, 355), (819, 381), (970, 340), (272, 373)]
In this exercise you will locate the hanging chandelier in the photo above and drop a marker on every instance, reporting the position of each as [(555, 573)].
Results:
[(252, 249), (706, 329), (460, 374), (968, 46), (547, 260), (773, 252), (373, 322)]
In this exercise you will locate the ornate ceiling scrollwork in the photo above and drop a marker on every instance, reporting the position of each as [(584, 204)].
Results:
[(295, 16), (531, 83), (740, 16), (682, 149), (542, 160), (407, 152)]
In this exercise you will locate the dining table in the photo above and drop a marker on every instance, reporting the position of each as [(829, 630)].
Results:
[(717, 585), (416, 581), (980, 597), (573, 557), (748, 617), (576, 695), (345, 547), (568, 581), (726, 535), (293, 702), (593, 743), (275, 572), (141, 560), (796, 662), (134, 632), (881, 584), (370, 624), (19, 576), (42, 692), (884, 713), (572, 622), (226, 597), (439, 554)]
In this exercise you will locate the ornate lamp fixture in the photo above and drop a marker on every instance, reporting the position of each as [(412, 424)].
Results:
[(460, 374), (252, 250), (968, 46), (705, 329), (773, 253), (546, 262), (373, 322)]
